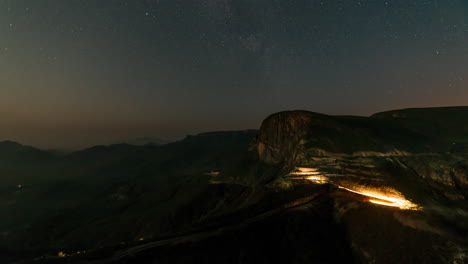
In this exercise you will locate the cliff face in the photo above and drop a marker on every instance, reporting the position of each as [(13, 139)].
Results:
[(292, 135), (282, 136)]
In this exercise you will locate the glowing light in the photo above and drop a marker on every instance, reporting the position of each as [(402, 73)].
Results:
[(386, 197), (381, 202), (312, 174), (213, 173), (306, 171), (62, 254), (215, 182), (383, 196), (317, 179)]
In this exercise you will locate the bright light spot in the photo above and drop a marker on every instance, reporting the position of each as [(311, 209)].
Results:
[(62, 254), (19, 186), (384, 196), (141, 238), (310, 174), (381, 202), (306, 171), (317, 179)]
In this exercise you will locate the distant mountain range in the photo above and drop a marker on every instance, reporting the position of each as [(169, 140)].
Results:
[(144, 141)]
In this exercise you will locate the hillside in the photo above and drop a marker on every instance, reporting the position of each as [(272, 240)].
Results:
[(448, 125), (140, 190), (305, 188)]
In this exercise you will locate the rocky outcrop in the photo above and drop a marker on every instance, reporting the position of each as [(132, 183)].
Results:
[(282, 136), (295, 138), (287, 137)]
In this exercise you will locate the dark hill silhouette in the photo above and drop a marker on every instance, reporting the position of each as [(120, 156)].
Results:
[(13, 151)]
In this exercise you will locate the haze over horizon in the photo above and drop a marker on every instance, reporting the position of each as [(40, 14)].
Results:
[(80, 73)]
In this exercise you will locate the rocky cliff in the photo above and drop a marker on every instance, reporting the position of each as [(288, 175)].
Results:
[(292, 136), (282, 136)]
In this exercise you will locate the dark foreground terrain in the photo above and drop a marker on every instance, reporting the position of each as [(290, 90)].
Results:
[(305, 188)]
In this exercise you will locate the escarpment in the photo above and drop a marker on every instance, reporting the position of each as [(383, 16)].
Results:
[(282, 136), (346, 148)]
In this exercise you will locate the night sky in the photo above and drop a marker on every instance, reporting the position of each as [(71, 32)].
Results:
[(74, 73)]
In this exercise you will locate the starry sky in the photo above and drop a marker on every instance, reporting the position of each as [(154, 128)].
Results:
[(76, 73)]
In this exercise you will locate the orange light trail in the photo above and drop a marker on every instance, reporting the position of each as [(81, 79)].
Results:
[(383, 196), (388, 198)]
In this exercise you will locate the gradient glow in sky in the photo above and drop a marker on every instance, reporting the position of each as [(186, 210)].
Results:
[(81, 72)]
